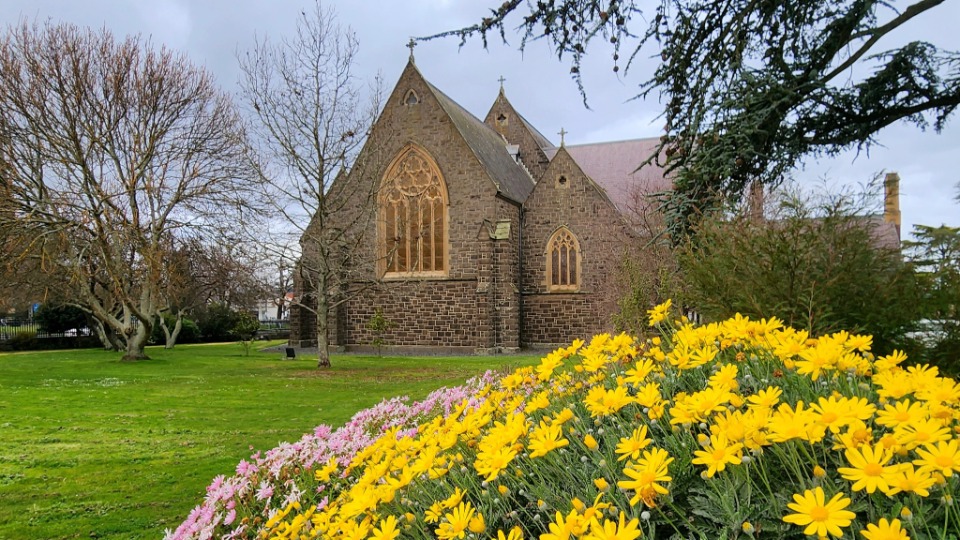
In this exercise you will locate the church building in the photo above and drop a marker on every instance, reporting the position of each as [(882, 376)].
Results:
[(485, 236)]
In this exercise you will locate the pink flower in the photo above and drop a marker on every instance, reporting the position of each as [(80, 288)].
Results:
[(265, 491)]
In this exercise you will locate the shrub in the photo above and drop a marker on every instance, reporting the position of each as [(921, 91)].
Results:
[(936, 254), (58, 318), (22, 340), (735, 429), (216, 322), (818, 265), (945, 353), (189, 331), (245, 329), (379, 325)]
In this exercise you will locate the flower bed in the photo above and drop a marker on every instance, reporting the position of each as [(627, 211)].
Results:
[(735, 429)]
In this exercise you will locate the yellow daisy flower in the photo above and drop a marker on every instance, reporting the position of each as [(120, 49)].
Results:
[(943, 457), (659, 313), (647, 474), (545, 439), (885, 530), (455, 523), (387, 530), (901, 412), (612, 530), (869, 469), (818, 516), (515, 533), (911, 480), (602, 402), (629, 448), (718, 454)]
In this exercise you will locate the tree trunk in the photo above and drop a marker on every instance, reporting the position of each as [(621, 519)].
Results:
[(116, 343), (110, 340), (170, 337), (323, 309), (136, 342)]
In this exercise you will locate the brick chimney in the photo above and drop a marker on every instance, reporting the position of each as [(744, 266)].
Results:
[(755, 202), (891, 200)]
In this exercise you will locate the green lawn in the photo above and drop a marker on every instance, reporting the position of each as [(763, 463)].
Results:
[(94, 448)]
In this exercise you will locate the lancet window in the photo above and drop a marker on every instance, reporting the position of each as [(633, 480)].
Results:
[(563, 261)]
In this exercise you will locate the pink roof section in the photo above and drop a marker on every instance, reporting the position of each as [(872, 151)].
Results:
[(613, 166)]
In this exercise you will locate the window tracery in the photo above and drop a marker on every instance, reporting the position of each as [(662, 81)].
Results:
[(413, 216), (563, 261)]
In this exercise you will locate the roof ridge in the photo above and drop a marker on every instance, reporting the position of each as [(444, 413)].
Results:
[(488, 146), (601, 143)]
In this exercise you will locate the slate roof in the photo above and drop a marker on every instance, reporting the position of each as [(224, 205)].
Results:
[(613, 166), (885, 234), (511, 179), (542, 141)]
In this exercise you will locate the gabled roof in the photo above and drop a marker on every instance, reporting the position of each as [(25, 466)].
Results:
[(511, 179), (542, 141), (613, 166), (557, 157), (885, 234)]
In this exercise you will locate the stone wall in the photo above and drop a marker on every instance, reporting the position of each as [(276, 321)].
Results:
[(503, 118), (494, 295), (552, 318), (441, 313), (456, 310)]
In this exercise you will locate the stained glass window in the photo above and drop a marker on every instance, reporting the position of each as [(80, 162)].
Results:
[(563, 261), (413, 209)]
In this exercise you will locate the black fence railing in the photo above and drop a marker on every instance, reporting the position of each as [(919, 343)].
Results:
[(11, 327), (275, 324), (274, 329)]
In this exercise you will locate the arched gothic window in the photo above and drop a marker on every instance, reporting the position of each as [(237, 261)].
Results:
[(413, 216), (563, 261)]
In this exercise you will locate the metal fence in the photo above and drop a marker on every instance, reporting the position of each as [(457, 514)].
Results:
[(274, 329), (11, 327)]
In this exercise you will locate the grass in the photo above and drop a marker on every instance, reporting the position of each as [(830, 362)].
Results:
[(91, 447)]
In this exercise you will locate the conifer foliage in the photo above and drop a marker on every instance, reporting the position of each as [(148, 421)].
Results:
[(749, 88)]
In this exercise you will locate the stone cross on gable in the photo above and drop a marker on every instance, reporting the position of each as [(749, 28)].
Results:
[(562, 133), (501, 79), (410, 45)]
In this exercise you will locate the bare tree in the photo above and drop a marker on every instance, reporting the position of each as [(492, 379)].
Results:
[(311, 118), (108, 148), (200, 271)]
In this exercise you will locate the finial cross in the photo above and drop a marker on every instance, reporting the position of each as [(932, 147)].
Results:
[(562, 133), (410, 45), (501, 79)]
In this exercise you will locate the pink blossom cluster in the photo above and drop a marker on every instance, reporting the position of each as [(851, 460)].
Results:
[(270, 481)]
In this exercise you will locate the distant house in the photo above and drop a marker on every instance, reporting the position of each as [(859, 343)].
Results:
[(275, 309)]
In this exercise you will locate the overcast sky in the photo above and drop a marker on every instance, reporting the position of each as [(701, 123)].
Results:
[(211, 31)]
